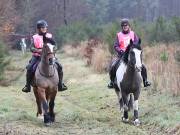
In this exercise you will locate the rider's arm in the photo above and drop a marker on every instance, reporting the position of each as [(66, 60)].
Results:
[(136, 39), (32, 47), (117, 47), (51, 41), (48, 38)]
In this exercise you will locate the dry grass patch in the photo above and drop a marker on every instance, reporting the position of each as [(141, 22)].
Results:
[(163, 68), (94, 52)]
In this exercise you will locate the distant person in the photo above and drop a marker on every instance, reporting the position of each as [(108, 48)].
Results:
[(122, 41), (23, 45), (37, 42)]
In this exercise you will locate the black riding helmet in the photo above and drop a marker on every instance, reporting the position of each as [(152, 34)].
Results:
[(124, 22), (41, 24)]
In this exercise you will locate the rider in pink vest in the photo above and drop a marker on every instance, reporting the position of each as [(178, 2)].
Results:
[(37, 42), (122, 41)]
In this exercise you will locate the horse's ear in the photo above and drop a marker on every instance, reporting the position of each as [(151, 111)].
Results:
[(139, 42), (55, 48), (131, 42)]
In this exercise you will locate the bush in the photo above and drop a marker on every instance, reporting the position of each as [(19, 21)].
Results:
[(164, 56), (176, 22), (162, 31), (177, 56), (109, 33), (77, 32), (139, 27)]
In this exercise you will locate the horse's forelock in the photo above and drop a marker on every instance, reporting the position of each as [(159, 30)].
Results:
[(126, 53), (50, 47), (129, 47)]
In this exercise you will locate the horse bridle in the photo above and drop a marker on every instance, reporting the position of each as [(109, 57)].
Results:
[(138, 69), (46, 55)]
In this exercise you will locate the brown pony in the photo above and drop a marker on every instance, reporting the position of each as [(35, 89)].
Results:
[(46, 84)]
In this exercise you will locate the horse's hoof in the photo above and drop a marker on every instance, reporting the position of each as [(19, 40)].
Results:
[(47, 120), (125, 120), (136, 122), (52, 119), (48, 124)]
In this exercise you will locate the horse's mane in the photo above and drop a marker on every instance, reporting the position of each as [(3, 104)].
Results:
[(129, 47)]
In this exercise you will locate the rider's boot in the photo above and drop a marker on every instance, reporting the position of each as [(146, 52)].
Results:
[(27, 87), (112, 75), (111, 85), (144, 76), (61, 85)]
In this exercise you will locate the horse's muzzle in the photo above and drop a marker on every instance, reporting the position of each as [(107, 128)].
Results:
[(52, 61)]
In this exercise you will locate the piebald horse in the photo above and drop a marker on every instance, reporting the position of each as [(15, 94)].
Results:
[(129, 80), (45, 84)]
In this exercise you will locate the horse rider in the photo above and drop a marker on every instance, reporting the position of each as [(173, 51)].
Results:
[(122, 41), (37, 42)]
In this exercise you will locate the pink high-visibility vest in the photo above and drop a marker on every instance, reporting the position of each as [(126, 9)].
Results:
[(124, 39), (38, 42)]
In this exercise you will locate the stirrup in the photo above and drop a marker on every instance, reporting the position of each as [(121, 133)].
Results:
[(62, 87), (26, 89), (110, 85), (146, 84)]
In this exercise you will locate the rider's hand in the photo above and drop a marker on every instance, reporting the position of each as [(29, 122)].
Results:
[(120, 53), (47, 35), (39, 50)]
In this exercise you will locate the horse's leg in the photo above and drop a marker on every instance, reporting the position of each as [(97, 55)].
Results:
[(135, 108), (51, 106), (39, 107), (42, 95), (130, 102), (125, 107), (118, 93)]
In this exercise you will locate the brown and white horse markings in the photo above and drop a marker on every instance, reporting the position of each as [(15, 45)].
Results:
[(129, 80)]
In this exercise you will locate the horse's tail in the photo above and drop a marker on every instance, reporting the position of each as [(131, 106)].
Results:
[(131, 102)]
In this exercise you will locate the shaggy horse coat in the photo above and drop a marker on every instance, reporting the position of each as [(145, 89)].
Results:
[(128, 80), (46, 84)]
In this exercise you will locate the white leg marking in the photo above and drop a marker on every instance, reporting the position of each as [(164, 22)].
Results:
[(136, 122), (135, 105), (40, 116), (128, 97)]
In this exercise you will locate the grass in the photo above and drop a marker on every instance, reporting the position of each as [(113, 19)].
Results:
[(163, 68), (87, 108)]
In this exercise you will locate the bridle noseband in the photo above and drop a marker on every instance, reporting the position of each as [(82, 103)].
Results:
[(137, 69)]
